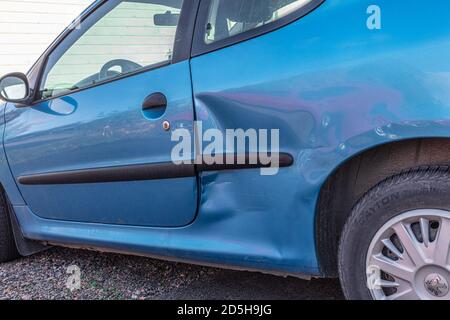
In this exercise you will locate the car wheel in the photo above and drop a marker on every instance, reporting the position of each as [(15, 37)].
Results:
[(395, 245), (8, 249)]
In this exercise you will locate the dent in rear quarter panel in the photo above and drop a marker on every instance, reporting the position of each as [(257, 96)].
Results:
[(334, 88)]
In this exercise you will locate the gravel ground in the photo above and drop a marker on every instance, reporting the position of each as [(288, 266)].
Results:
[(111, 276)]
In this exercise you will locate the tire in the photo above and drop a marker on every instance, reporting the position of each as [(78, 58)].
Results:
[(422, 194), (8, 249)]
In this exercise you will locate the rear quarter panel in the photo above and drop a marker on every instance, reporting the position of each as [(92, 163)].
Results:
[(334, 88)]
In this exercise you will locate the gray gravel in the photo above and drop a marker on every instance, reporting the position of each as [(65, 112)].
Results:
[(111, 276)]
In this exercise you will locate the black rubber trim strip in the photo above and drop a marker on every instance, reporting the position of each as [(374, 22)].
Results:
[(250, 160), (144, 172), (114, 174)]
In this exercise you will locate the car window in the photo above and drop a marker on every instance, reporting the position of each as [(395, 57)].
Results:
[(227, 18), (134, 34)]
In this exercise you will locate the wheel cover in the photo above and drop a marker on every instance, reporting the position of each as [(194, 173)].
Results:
[(408, 258)]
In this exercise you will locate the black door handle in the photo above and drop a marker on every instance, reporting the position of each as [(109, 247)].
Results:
[(155, 100)]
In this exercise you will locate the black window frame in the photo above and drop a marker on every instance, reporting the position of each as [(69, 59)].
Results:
[(200, 47), (181, 52)]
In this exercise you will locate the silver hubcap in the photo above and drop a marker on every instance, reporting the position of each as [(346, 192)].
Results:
[(409, 257)]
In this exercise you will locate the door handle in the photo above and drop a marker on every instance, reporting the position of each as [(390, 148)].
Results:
[(153, 101)]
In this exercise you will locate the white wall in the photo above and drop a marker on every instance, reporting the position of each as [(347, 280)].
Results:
[(27, 27)]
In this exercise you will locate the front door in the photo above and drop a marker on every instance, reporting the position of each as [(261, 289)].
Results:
[(96, 146)]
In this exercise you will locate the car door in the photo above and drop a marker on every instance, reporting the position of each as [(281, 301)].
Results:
[(96, 145)]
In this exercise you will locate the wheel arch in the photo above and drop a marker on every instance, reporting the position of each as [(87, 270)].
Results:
[(357, 175)]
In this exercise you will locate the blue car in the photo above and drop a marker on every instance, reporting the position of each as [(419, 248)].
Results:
[(338, 165)]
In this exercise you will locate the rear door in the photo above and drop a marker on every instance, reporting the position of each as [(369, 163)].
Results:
[(96, 147)]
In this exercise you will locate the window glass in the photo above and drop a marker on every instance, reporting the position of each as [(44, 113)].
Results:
[(230, 17), (135, 34)]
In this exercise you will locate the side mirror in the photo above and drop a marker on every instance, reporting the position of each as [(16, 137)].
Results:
[(14, 88), (167, 19)]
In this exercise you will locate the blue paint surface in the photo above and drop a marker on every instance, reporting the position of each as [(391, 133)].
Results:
[(334, 89)]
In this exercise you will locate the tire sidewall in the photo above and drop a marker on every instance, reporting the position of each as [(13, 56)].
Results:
[(395, 196)]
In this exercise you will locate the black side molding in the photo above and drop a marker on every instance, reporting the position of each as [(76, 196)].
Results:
[(144, 172), (249, 160), (114, 174)]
